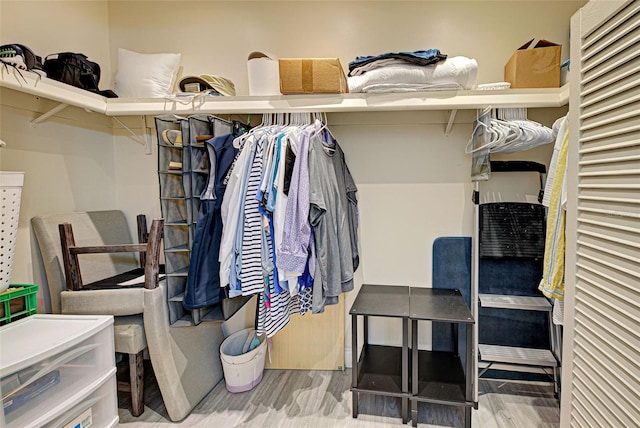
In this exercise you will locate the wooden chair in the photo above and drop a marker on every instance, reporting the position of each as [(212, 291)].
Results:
[(109, 296)]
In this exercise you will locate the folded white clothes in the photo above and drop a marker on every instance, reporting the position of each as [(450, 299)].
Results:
[(410, 87), (460, 71)]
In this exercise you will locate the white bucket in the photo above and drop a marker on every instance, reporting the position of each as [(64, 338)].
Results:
[(10, 192), (242, 371)]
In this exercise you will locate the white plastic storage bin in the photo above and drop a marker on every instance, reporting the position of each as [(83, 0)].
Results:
[(55, 367), (242, 371), (10, 193), (264, 74)]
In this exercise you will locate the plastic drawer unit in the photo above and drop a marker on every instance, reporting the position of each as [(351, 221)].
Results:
[(58, 370)]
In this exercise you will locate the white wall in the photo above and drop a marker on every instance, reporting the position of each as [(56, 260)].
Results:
[(413, 180), (69, 160), (51, 26), (68, 164), (215, 37), (136, 174), (414, 186)]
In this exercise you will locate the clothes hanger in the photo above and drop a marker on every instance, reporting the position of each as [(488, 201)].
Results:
[(265, 123), (238, 128), (491, 132), (323, 130), (509, 131)]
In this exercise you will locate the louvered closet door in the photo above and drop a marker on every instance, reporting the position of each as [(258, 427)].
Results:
[(605, 386)]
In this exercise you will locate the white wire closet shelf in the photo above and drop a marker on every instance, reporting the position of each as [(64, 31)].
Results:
[(439, 100)]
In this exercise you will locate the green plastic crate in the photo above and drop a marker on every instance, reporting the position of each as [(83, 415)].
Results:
[(18, 301)]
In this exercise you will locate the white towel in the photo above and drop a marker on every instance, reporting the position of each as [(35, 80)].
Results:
[(460, 71), (410, 87)]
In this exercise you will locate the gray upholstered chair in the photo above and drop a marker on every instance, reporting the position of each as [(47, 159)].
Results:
[(105, 239), (185, 360)]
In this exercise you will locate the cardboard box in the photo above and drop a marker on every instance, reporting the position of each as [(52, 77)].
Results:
[(537, 67), (312, 76)]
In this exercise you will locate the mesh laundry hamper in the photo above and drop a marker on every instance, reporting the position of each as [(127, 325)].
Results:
[(242, 371), (10, 192)]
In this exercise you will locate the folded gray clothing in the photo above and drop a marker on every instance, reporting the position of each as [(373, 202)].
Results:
[(377, 64), (423, 57)]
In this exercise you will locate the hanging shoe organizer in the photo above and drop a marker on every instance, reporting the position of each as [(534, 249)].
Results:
[(183, 167)]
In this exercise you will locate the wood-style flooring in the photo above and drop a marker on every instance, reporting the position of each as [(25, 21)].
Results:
[(297, 398)]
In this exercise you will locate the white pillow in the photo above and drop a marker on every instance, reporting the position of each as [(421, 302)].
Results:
[(145, 75)]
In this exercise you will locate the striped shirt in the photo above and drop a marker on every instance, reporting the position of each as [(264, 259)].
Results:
[(251, 266)]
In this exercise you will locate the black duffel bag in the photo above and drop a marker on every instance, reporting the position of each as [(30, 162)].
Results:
[(76, 70)]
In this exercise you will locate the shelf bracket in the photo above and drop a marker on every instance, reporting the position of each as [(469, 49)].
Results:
[(46, 115), (144, 140), (452, 117)]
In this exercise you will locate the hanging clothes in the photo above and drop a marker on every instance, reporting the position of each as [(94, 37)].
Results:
[(296, 252), (276, 304), (281, 204), (552, 283), (232, 212), (251, 271), (329, 217), (203, 280), (293, 251)]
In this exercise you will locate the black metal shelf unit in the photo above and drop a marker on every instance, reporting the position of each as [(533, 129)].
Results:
[(422, 376), (380, 370), (437, 376)]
